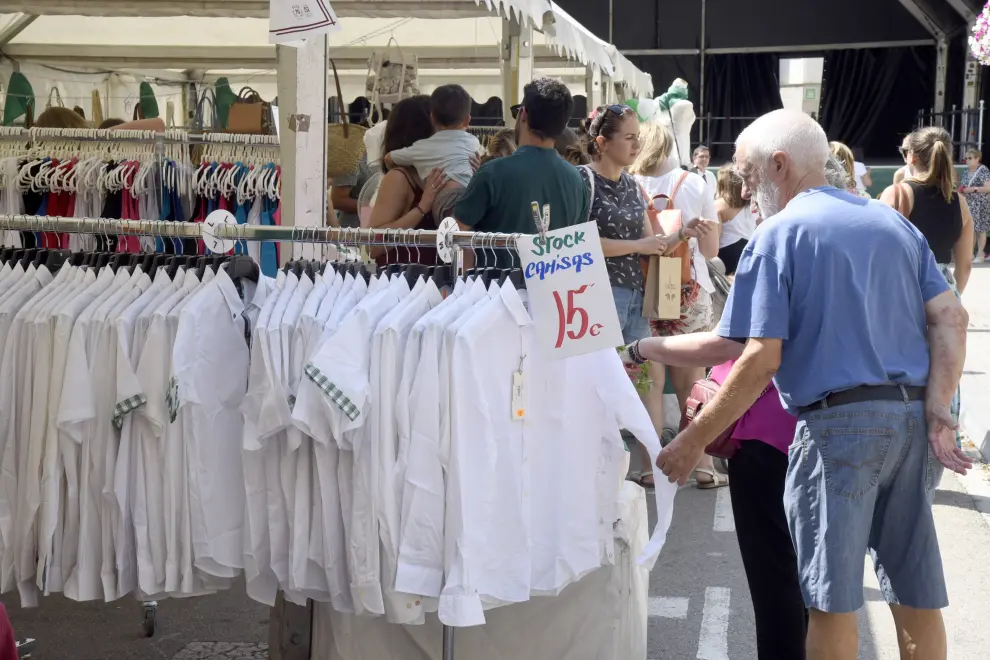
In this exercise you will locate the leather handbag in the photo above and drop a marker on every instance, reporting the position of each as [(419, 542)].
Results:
[(702, 392), (250, 114)]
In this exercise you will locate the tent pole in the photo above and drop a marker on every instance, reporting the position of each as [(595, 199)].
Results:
[(941, 64), (701, 93), (517, 64)]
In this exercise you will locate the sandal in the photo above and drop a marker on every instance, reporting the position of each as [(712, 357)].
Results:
[(646, 480), (717, 480)]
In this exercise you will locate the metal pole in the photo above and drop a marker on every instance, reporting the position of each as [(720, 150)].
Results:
[(448, 643), (701, 94), (952, 126), (979, 129)]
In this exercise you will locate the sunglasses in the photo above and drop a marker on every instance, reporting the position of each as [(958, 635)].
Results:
[(515, 110), (904, 152)]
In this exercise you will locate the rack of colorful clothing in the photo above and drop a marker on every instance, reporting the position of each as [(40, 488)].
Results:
[(335, 433), (139, 175)]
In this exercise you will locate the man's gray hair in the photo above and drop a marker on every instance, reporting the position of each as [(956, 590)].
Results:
[(835, 173), (794, 133)]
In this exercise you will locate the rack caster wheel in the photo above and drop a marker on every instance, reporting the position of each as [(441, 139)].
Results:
[(148, 622)]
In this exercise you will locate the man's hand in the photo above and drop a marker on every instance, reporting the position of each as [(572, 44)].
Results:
[(679, 459), (942, 438)]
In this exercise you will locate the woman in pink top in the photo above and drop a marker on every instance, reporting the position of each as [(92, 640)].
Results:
[(756, 484)]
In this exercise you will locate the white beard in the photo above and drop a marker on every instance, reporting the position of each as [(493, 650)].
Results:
[(768, 198)]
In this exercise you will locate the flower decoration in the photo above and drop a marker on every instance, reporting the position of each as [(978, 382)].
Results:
[(979, 40)]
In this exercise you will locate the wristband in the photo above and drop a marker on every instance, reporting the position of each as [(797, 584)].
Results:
[(634, 353)]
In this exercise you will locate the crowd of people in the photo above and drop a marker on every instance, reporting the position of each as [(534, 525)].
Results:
[(838, 353)]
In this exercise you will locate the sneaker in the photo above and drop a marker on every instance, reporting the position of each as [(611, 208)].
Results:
[(979, 259)]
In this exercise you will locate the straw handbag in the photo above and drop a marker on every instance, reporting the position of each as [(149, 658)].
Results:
[(345, 141)]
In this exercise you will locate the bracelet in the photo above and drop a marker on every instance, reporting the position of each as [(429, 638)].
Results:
[(634, 353), (680, 234), (421, 211)]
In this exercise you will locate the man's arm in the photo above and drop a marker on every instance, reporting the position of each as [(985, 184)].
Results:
[(750, 375), (704, 349), (947, 322)]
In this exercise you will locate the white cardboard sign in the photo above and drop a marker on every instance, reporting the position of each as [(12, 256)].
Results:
[(292, 21), (569, 292)]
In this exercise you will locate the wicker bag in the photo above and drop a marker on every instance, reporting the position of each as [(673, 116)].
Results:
[(345, 141)]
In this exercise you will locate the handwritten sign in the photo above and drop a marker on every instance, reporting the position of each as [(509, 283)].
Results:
[(569, 292)]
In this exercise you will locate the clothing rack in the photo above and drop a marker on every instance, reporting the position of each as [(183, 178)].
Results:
[(335, 235), (169, 137)]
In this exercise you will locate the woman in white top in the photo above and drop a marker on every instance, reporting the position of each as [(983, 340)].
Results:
[(736, 217), (659, 174)]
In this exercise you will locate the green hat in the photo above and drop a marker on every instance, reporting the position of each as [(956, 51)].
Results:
[(225, 98), (149, 105), (20, 96)]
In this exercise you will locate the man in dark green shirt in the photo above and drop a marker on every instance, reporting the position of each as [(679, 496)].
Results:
[(501, 194)]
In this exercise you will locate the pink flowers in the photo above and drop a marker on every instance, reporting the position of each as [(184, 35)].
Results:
[(979, 41)]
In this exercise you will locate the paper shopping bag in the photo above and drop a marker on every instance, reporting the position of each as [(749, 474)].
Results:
[(662, 296)]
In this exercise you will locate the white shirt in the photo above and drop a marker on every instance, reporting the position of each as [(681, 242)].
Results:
[(739, 228), (859, 171), (337, 398), (387, 358), (449, 150), (210, 363), (694, 201), (420, 564)]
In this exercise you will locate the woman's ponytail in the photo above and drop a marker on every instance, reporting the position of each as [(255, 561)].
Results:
[(933, 148)]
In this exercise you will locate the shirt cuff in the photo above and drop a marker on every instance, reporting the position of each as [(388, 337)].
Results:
[(415, 579), (461, 611), (368, 596)]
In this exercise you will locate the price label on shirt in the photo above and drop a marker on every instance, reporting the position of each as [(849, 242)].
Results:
[(569, 292)]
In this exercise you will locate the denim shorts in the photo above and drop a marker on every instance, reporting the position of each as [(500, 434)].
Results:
[(629, 305), (860, 479)]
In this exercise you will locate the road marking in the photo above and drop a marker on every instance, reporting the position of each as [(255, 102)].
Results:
[(668, 608), (713, 644), (723, 512)]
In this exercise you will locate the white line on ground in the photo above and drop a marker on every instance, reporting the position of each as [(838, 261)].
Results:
[(713, 644), (723, 512), (668, 608)]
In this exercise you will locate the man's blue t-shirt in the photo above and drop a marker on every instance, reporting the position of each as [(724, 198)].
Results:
[(843, 282)]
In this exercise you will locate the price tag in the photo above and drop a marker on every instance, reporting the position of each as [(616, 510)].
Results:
[(518, 396), (292, 21), (569, 292), (216, 219), (445, 243)]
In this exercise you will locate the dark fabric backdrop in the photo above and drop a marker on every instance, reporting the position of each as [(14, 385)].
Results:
[(743, 85), (870, 97)]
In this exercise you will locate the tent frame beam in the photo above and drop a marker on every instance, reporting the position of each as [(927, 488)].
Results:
[(17, 26), (261, 57), (805, 48)]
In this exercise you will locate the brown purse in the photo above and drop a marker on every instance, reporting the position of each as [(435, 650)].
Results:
[(250, 114), (702, 392)]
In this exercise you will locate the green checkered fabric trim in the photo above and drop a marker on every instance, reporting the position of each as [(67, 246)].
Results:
[(332, 391), (126, 406)]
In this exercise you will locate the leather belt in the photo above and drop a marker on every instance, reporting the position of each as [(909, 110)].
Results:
[(866, 393)]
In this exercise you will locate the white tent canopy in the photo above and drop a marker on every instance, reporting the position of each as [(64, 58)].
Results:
[(185, 40)]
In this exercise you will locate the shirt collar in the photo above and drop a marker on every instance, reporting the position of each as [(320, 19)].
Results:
[(515, 304), (229, 293)]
